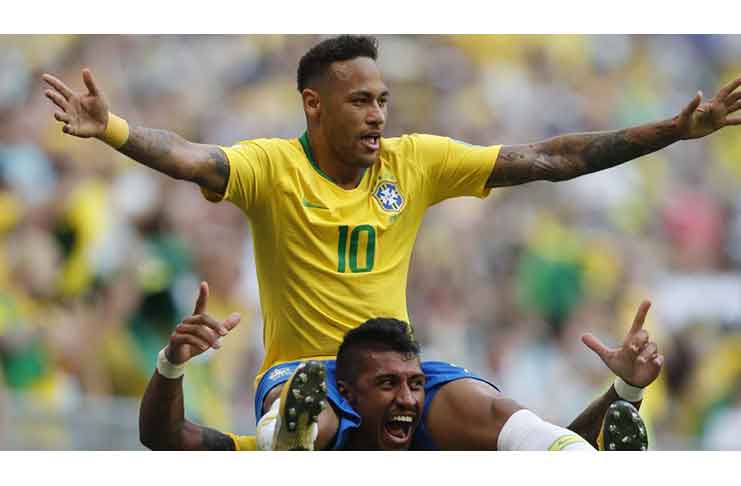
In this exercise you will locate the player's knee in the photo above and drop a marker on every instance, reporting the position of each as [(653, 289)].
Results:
[(468, 414), (500, 410)]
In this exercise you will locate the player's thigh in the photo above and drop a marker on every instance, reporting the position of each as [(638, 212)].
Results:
[(271, 397), (468, 414)]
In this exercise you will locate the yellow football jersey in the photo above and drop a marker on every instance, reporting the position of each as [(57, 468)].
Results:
[(329, 258)]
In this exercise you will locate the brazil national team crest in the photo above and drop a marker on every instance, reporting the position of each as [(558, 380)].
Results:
[(388, 196)]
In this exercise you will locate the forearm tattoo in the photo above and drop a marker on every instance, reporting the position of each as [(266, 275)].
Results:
[(152, 147), (213, 440), (169, 153), (612, 148), (570, 156)]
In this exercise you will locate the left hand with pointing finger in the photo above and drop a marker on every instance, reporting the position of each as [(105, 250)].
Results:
[(637, 360), (198, 332)]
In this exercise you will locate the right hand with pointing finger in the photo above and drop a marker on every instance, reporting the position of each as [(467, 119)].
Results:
[(83, 114), (637, 360), (199, 332)]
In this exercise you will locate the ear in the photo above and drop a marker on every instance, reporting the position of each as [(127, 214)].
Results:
[(312, 102), (345, 391)]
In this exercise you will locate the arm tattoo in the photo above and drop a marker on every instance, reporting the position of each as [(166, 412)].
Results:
[(153, 148), (612, 148), (216, 177), (222, 164), (516, 165), (169, 153), (213, 440), (570, 156)]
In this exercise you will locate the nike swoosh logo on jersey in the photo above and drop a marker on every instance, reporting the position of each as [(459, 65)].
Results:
[(309, 204)]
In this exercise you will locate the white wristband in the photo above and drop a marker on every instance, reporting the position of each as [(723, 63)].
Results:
[(628, 392), (167, 369)]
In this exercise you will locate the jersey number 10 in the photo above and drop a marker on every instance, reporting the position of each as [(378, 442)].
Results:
[(342, 250)]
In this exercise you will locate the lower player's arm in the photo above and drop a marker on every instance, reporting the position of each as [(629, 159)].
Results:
[(171, 154), (589, 422), (162, 423), (569, 156)]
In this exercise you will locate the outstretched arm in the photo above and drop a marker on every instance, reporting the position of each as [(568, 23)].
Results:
[(169, 153), (162, 423), (570, 156), (637, 362), (87, 115)]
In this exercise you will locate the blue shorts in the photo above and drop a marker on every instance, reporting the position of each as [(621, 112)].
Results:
[(437, 373)]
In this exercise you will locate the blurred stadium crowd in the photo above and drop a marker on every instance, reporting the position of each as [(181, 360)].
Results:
[(100, 257)]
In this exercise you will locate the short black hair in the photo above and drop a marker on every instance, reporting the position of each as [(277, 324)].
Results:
[(343, 48), (379, 334)]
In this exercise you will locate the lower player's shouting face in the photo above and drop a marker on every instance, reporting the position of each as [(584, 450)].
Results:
[(389, 394)]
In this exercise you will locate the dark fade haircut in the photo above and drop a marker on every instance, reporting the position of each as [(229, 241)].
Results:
[(379, 334), (343, 48)]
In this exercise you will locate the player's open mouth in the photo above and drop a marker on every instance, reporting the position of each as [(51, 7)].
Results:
[(399, 429), (371, 142)]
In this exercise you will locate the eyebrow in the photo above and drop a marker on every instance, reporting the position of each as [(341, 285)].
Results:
[(366, 93), (395, 376)]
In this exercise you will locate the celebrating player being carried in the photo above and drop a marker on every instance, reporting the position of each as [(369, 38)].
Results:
[(335, 213), (377, 380)]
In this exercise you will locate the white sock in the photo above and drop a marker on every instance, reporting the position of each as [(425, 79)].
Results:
[(266, 427), (525, 431)]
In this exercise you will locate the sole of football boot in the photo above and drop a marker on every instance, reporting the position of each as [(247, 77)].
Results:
[(302, 400), (623, 429)]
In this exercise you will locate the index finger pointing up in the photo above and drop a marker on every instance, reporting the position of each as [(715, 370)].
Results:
[(202, 298), (640, 317), (87, 77)]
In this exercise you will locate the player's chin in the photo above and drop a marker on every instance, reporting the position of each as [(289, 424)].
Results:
[(365, 156), (366, 160), (396, 439)]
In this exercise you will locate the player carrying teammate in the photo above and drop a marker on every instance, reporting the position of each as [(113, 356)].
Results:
[(335, 214), (377, 380)]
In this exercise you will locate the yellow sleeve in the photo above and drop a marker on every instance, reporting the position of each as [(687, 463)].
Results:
[(243, 442), (454, 168), (249, 172)]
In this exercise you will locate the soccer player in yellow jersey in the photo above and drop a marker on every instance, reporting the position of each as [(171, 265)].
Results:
[(335, 213)]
